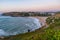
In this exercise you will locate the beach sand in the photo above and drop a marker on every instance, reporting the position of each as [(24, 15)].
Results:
[(42, 20)]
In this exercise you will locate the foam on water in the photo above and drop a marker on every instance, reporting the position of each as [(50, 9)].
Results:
[(17, 25), (3, 33)]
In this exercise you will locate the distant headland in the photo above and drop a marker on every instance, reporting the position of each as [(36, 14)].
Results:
[(24, 14)]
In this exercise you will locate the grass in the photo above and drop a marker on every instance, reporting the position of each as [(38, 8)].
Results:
[(50, 33)]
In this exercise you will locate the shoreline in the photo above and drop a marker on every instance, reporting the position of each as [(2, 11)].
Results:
[(42, 19)]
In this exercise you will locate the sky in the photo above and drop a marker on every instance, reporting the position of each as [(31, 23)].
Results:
[(29, 5)]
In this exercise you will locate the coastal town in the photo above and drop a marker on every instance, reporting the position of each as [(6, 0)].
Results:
[(45, 20), (29, 19), (17, 14)]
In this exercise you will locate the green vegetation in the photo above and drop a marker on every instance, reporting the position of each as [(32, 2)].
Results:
[(50, 33), (23, 14)]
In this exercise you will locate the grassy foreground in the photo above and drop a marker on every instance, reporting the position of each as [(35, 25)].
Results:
[(50, 33)]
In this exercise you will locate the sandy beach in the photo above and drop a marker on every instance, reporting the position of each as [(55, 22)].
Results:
[(42, 20)]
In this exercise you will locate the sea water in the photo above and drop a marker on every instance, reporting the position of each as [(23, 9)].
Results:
[(17, 25)]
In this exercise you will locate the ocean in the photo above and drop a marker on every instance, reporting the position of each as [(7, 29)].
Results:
[(17, 25)]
